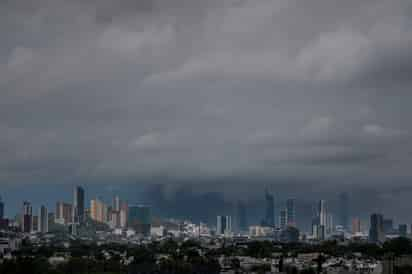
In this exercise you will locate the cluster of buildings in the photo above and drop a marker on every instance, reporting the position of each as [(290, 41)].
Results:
[(280, 224), (71, 217)]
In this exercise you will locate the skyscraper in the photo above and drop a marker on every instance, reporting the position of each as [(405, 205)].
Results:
[(224, 225), (27, 217), (323, 220), (1, 209), (64, 213), (140, 219), (124, 208), (291, 214), (322, 212), (344, 210), (270, 209), (376, 233), (98, 211), (241, 216), (330, 227), (78, 205), (116, 203), (43, 220), (35, 224)]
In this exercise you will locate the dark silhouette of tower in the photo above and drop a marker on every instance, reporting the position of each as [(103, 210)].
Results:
[(269, 209), (344, 210), (241, 216)]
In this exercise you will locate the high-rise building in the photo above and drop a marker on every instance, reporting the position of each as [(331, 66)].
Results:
[(64, 213), (388, 226), (330, 227), (140, 219), (241, 216), (115, 219), (322, 211), (124, 208), (43, 220), (27, 218), (322, 222), (283, 219), (78, 205), (403, 230), (116, 203), (376, 233), (356, 225), (35, 224), (224, 225), (98, 211), (270, 209), (1, 209), (291, 213), (344, 210)]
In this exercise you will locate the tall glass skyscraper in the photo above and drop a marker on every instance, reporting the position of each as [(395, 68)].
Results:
[(78, 205), (323, 220), (270, 209), (291, 212)]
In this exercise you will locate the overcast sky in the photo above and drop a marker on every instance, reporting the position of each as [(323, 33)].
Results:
[(314, 92)]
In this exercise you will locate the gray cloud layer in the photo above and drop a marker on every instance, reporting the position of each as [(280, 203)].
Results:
[(106, 90)]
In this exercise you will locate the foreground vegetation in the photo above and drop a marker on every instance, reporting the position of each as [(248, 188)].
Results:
[(170, 257)]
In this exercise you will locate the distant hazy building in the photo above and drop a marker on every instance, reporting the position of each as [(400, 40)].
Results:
[(140, 219), (403, 230), (283, 219), (291, 212), (78, 205), (344, 210), (224, 225), (43, 220), (376, 233), (1, 209), (241, 216), (356, 225), (269, 209), (27, 217), (330, 225), (388, 226)]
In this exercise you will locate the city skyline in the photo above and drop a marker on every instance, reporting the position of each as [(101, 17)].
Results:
[(110, 211), (142, 93)]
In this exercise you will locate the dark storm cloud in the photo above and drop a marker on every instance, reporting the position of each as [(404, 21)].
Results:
[(310, 91)]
